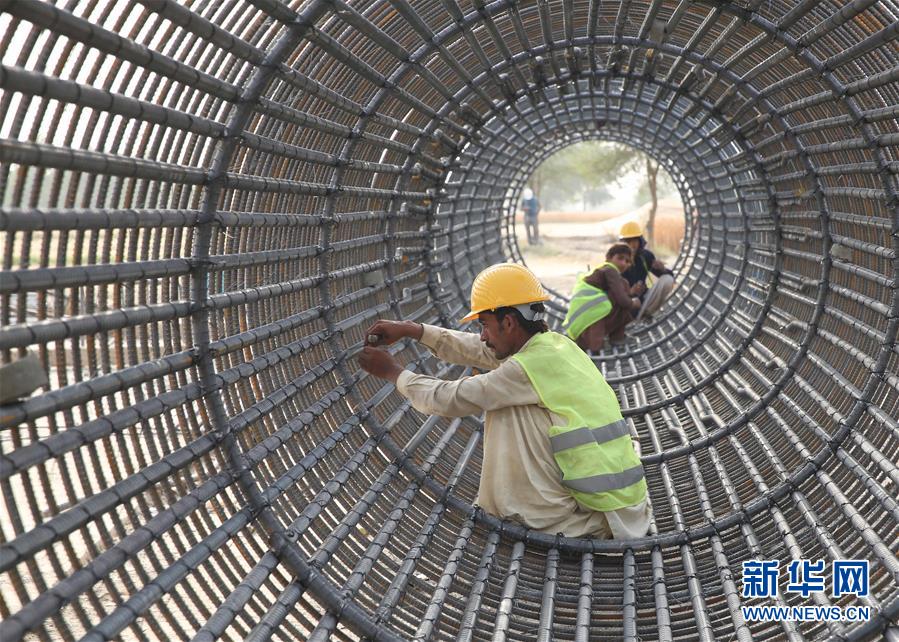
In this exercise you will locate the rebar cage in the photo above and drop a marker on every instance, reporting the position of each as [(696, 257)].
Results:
[(204, 205)]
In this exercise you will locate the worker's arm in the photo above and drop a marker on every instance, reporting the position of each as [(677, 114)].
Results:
[(507, 385), (638, 287), (596, 279), (655, 266), (658, 268), (452, 346), (461, 348), (618, 289)]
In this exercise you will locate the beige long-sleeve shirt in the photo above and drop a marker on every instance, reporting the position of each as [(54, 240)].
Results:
[(520, 479)]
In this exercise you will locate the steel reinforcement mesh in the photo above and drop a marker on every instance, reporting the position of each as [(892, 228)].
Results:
[(204, 205)]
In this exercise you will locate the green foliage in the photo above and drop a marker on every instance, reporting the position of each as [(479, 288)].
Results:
[(581, 171), (665, 188)]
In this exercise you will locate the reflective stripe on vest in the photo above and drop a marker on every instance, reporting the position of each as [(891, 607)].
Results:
[(586, 307), (588, 304), (587, 291), (606, 482), (581, 436), (592, 446)]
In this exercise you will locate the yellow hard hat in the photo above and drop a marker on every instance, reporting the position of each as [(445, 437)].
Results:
[(630, 230), (503, 285)]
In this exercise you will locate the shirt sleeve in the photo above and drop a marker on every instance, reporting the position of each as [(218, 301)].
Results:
[(460, 348), (658, 268), (506, 386), (596, 279), (654, 265), (618, 289)]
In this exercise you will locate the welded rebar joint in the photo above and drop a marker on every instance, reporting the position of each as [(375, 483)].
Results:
[(539, 71), (574, 58)]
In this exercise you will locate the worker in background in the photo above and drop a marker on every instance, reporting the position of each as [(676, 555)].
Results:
[(648, 277), (601, 304), (531, 207), (557, 454)]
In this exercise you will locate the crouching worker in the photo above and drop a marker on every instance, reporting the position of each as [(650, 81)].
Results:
[(557, 454), (601, 304), (648, 278)]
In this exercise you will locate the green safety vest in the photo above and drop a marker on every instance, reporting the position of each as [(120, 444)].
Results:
[(588, 305), (594, 451)]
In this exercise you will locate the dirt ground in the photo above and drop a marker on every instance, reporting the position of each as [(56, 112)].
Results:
[(572, 241)]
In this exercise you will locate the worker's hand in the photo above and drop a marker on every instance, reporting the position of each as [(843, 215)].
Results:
[(380, 363), (638, 288), (635, 304), (385, 333)]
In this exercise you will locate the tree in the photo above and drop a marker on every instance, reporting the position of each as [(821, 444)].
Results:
[(652, 173), (593, 196), (578, 172)]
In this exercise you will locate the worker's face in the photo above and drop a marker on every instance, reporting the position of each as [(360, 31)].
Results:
[(633, 243), (497, 334), (621, 261)]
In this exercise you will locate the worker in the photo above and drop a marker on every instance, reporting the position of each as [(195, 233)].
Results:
[(557, 454), (601, 305), (531, 207), (648, 277)]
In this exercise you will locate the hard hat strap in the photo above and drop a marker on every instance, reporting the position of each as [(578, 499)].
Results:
[(528, 313)]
